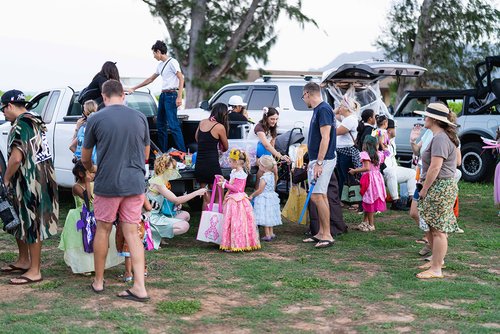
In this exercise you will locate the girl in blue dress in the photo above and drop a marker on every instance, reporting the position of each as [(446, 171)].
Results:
[(267, 209)]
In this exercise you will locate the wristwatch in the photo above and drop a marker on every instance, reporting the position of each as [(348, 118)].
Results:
[(319, 162)]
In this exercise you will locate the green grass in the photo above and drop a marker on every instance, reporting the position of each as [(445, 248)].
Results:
[(365, 283)]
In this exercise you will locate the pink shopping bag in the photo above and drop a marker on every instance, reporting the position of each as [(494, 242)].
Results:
[(211, 220)]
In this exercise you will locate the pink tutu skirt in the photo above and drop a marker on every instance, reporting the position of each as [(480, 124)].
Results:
[(378, 205)]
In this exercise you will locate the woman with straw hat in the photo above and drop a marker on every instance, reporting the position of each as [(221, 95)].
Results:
[(438, 189)]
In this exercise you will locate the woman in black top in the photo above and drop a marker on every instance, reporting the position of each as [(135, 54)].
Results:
[(211, 136), (108, 71), (365, 127)]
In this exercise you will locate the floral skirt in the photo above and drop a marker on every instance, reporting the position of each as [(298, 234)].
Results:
[(436, 209)]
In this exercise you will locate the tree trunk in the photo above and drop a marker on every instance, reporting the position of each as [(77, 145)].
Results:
[(419, 55), (194, 95), (192, 70)]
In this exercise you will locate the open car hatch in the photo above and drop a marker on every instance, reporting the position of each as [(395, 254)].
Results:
[(369, 71)]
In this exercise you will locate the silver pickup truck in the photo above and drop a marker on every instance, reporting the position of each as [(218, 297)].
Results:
[(60, 110)]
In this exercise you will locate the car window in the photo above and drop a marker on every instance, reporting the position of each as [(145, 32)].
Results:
[(39, 103), (296, 95), (225, 95), (263, 97), (414, 104), (142, 102), (51, 106)]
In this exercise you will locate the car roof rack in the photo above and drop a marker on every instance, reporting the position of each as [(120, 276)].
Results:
[(305, 77)]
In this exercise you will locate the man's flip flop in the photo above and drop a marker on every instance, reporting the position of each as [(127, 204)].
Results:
[(26, 280), (310, 240), (13, 269), (428, 275), (131, 296), (324, 243)]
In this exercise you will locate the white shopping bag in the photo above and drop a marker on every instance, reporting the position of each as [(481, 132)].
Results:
[(210, 229)]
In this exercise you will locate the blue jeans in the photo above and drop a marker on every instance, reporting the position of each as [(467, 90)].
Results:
[(167, 119), (344, 162)]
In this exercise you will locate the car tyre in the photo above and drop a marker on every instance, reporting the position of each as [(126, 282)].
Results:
[(477, 163)]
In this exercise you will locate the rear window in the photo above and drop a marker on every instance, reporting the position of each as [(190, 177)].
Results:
[(261, 98), (296, 95), (143, 103), (139, 101)]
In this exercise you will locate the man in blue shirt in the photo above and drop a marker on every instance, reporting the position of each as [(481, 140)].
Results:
[(321, 148)]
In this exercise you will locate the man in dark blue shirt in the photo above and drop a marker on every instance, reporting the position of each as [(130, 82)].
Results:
[(321, 148)]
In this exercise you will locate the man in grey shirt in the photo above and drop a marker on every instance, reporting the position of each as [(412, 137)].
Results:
[(121, 137)]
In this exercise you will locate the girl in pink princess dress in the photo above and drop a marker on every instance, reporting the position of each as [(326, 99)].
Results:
[(374, 196), (239, 231)]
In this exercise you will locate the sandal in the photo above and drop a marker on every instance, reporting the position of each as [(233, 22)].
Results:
[(25, 280), (428, 275), (427, 265), (324, 243), (311, 240), (13, 269)]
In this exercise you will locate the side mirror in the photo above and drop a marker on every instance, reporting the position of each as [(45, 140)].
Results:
[(204, 105), (390, 108)]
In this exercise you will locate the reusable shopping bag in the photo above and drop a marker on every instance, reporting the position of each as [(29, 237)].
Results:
[(87, 224), (210, 229), (293, 207)]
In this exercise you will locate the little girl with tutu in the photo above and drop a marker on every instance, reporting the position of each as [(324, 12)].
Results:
[(71, 239), (239, 232), (166, 219), (374, 196), (266, 209)]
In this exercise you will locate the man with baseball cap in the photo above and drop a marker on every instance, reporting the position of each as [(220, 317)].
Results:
[(30, 174)]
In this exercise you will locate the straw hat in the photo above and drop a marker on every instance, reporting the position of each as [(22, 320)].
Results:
[(437, 111)]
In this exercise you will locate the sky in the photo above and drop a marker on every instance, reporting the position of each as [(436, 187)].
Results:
[(54, 43)]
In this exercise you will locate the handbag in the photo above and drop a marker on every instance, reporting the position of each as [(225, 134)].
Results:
[(351, 191), (294, 204), (87, 224), (167, 208), (8, 215), (148, 235), (212, 219)]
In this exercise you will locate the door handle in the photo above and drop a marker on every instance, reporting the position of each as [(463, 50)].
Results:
[(5, 133)]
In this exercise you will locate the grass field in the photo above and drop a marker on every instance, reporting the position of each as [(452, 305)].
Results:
[(364, 284)]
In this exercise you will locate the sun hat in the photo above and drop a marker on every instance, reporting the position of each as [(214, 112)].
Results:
[(236, 100), (14, 96), (437, 111)]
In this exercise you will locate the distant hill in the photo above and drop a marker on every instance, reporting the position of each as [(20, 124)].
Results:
[(350, 57)]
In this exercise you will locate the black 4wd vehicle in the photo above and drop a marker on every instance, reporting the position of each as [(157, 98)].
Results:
[(479, 116)]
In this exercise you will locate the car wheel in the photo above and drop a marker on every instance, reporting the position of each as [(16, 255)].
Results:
[(477, 164)]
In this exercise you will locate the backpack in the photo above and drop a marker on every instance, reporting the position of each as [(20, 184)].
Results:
[(88, 94)]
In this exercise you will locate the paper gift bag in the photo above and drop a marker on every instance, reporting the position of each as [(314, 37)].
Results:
[(210, 229), (293, 207)]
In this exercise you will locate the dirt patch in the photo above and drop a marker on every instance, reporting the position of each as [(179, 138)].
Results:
[(386, 317), (296, 309), (494, 271), (436, 306), (492, 325), (322, 326)]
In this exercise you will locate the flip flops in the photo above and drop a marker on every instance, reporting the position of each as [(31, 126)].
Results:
[(311, 240), (428, 275), (13, 269), (27, 280), (324, 243), (96, 290), (131, 296), (427, 265)]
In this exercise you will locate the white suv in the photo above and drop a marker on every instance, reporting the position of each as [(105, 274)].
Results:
[(284, 92)]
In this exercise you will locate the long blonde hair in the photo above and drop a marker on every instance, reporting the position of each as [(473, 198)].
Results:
[(164, 162), (237, 154)]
